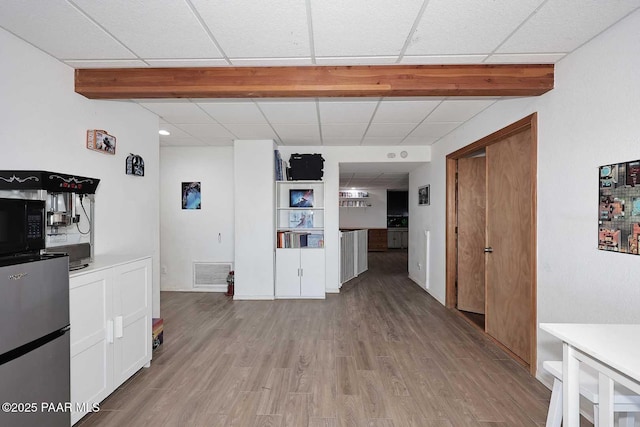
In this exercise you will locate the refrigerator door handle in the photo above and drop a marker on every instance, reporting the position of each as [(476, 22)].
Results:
[(110, 331), (119, 329)]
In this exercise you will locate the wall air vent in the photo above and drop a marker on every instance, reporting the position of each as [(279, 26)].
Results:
[(211, 275)]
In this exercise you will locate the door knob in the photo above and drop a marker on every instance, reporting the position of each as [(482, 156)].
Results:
[(488, 250)]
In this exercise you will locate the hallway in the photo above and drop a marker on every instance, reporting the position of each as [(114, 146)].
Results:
[(381, 353)]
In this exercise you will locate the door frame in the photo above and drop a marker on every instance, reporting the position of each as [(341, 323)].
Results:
[(529, 122)]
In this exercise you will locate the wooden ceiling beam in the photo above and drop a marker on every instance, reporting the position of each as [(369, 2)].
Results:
[(316, 81)]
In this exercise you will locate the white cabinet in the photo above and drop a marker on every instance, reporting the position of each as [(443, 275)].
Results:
[(300, 273), (398, 238), (110, 313), (300, 263)]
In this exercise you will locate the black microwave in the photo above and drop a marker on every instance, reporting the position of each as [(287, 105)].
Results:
[(22, 226)]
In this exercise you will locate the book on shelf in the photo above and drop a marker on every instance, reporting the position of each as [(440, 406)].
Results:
[(292, 239), (315, 241), (301, 219), (281, 169)]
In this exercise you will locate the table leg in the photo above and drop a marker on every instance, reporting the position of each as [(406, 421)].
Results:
[(605, 399), (570, 387)]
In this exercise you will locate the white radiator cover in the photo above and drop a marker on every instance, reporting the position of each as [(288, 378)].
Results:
[(210, 275)]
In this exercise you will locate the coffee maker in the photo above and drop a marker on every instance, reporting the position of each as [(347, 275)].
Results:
[(69, 209)]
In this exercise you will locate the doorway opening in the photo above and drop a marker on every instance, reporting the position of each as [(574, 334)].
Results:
[(491, 237)]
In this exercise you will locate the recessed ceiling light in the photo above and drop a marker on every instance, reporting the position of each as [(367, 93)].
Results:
[(164, 132)]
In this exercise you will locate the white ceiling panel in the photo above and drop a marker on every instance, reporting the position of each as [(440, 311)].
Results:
[(251, 131), (356, 60), (290, 112), (109, 63), (362, 27), (176, 132), (301, 141), (375, 140), (257, 28), (467, 27), (433, 130), (177, 112), (346, 112), (344, 130), (419, 140), (443, 59), (525, 58), (270, 62), (564, 25), (389, 129), (458, 110), (234, 112), (153, 29), (339, 141), (218, 142), (203, 131), (187, 62), (60, 30), (403, 111), (292, 131), (183, 142)]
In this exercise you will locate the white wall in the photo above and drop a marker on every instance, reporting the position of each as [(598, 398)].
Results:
[(419, 223), (199, 235), (44, 124), (254, 189), (333, 156), (374, 216), (589, 119)]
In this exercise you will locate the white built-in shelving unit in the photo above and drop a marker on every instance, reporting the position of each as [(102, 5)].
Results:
[(300, 257), (353, 199)]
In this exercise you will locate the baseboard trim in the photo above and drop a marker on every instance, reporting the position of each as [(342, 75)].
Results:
[(417, 282), (332, 291), (215, 288)]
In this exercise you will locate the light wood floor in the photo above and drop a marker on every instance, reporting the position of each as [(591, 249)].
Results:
[(381, 353)]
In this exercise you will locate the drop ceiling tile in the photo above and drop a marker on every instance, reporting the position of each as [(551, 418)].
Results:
[(433, 130), (346, 112), (213, 62), (153, 29), (292, 131), (443, 59), (59, 29), (209, 130), (419, 140), (234, 112), (464, 27), (395, 130), (345, 142), (562, 26), (362, 27), (108, 63), (270, 62), (301, 141), (177, 112), (381, 140), (525, 58), (257, 28), (251, 131), (176, 132), (290, 112), (356, 60), (458, 110), (403, 111), (344, 130)]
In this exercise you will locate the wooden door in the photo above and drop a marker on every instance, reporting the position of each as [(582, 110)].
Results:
[(471, 234), (509, 233)]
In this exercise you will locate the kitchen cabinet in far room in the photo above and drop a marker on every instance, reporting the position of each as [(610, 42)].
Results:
[(110, 313), (398, 238), (377, 239)]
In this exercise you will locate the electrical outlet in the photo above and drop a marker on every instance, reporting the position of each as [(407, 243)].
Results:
[(419, 266)]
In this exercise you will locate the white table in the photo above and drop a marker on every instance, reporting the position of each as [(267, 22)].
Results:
[(613, 350)]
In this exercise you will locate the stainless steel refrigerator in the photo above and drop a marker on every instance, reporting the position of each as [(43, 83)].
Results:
[(34, 341)]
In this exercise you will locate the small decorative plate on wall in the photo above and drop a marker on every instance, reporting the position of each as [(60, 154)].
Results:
[(134, 165)]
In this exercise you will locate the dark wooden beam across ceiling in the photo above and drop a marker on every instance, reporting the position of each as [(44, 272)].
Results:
[(316, 81)]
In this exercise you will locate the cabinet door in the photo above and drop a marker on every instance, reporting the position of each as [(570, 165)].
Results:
[(404, 239), (132, 318), (312, 277), (287, 273), (90, 307)]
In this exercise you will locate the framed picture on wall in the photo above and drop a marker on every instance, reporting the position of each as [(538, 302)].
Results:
[(191, 195), (424, 195)]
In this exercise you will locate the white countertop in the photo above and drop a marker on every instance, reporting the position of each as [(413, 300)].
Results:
[(615, 345), (107, 261)]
